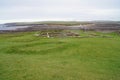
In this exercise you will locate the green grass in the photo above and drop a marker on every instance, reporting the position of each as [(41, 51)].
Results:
[(24, 56)]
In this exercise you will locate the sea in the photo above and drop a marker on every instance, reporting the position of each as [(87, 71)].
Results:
[(3, 27)]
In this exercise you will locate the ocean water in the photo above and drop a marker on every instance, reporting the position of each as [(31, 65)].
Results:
[(2, 27)]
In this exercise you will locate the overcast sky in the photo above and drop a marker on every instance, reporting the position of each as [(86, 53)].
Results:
[(34, 10)]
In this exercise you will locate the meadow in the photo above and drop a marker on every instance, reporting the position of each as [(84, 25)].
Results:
[(24, 56)]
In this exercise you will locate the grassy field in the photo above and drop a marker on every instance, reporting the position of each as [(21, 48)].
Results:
[(24, 56)]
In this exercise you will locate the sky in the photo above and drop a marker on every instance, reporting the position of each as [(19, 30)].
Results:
[(59, 10)]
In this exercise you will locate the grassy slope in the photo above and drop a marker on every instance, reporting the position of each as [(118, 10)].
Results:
[(26, 57)]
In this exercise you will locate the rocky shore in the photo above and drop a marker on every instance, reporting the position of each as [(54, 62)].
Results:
[(36, 27)]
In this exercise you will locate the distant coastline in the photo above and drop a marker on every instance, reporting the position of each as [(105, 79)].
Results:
[(49, 25)]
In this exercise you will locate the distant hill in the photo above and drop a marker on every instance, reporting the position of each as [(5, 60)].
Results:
[(65, 23)]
